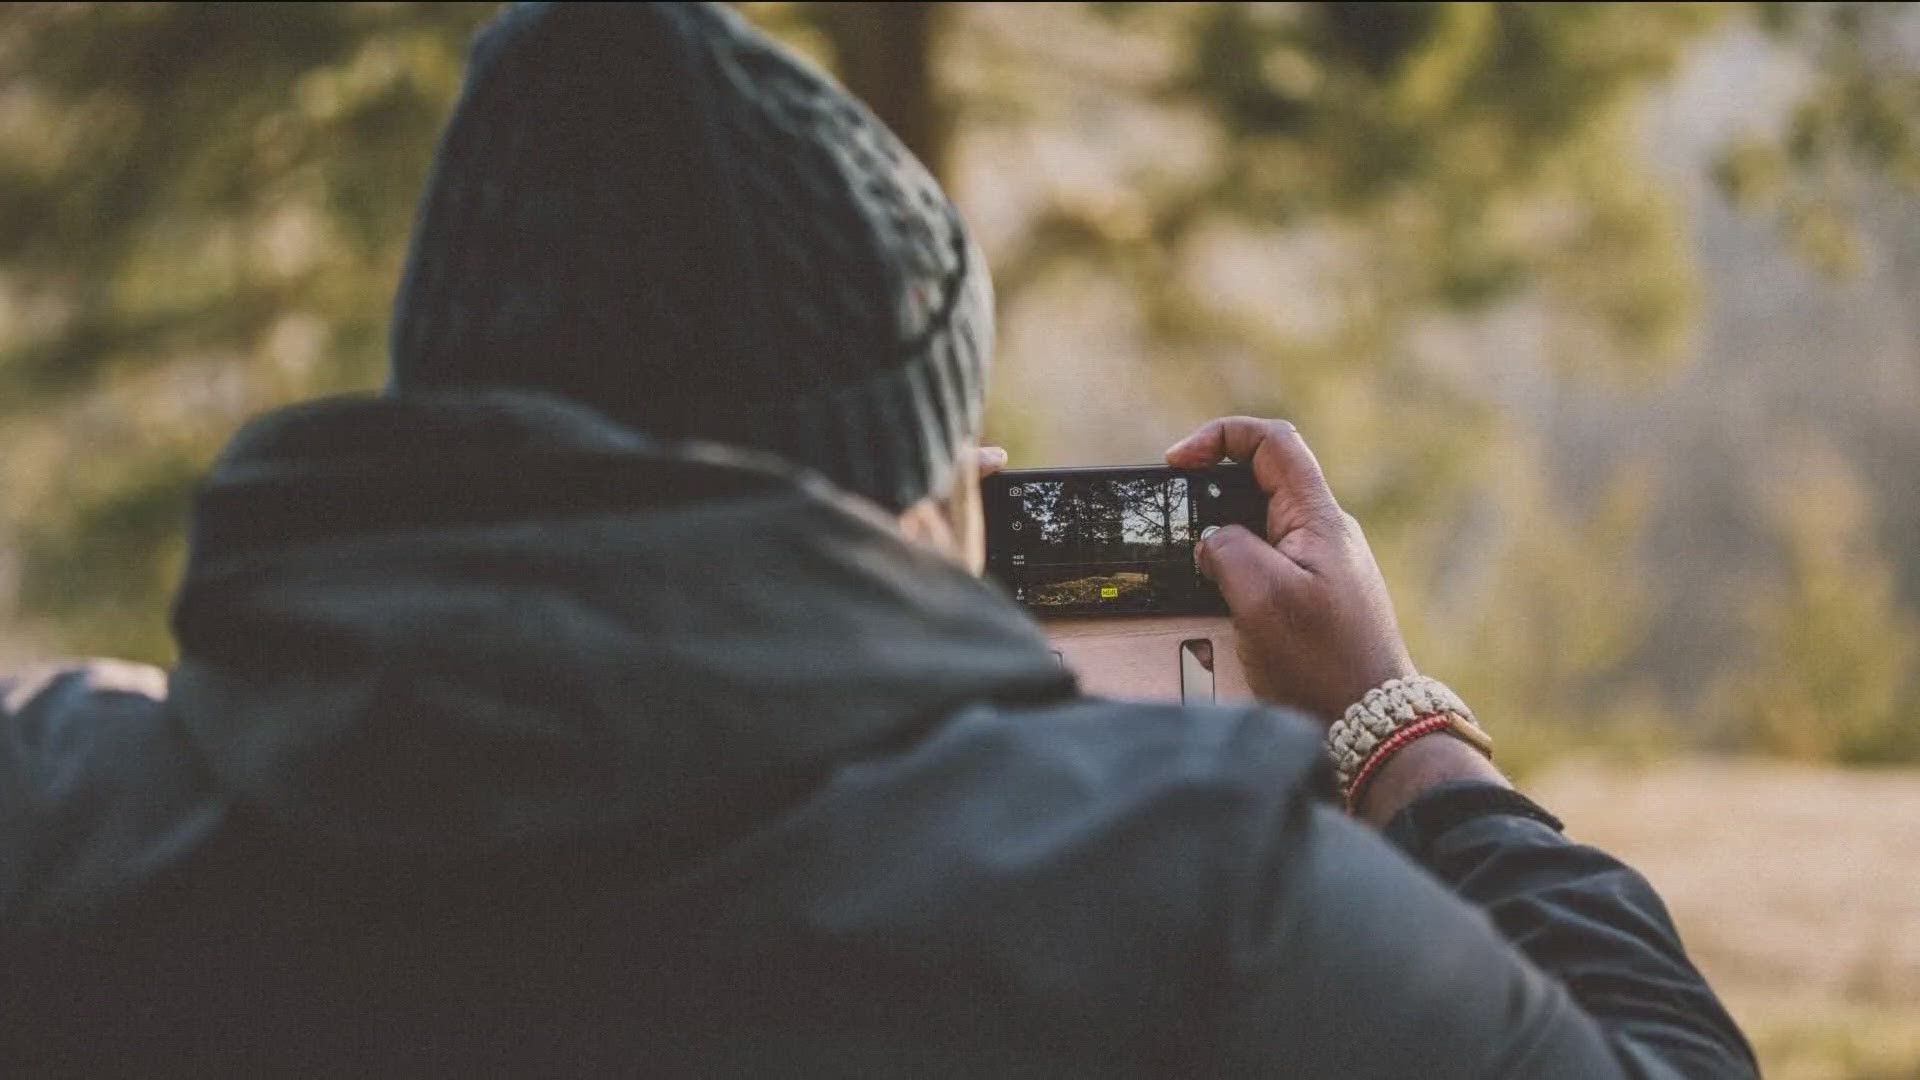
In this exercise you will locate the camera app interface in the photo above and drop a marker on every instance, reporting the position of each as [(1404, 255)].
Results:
[(1100, 544)]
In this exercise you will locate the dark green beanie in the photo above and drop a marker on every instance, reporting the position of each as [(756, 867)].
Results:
[(657, 211)]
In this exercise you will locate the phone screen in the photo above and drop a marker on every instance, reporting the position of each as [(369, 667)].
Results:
[(1103, 541)]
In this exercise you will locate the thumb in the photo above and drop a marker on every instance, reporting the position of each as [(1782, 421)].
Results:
[(1248, 571)]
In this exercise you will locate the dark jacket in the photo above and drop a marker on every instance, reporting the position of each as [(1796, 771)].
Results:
[(503, 739)]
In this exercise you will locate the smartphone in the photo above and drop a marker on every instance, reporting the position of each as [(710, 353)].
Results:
[(1113, 541)]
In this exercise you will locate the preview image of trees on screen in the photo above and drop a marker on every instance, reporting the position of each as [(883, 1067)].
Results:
[(1106, 541)]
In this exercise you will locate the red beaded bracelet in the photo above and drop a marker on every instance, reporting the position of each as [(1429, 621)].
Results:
[(1425, 725)]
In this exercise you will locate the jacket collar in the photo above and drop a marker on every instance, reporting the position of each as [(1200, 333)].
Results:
[(468, 617)]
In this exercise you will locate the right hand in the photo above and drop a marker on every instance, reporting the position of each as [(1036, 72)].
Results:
[(1314, 623)]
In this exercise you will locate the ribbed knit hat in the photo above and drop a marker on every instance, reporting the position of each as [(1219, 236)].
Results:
[(657, 211)]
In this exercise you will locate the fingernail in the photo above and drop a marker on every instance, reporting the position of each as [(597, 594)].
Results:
[(993, 455)]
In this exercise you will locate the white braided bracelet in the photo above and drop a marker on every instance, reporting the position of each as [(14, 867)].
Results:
[(1386, 709)]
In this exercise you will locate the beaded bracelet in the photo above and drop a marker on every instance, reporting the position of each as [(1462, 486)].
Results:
[(1425, 726)]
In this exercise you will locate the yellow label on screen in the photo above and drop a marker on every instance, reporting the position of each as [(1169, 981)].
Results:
[(1109, 592)]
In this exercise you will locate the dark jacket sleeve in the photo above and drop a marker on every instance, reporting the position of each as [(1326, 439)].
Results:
[(1585, 918), (1516, 954)]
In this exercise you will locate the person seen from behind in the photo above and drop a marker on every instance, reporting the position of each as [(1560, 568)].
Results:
[(616, 692)]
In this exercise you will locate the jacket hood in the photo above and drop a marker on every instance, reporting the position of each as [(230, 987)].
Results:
[(475, 619)]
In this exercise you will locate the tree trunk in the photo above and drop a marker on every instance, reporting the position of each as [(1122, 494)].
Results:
[(884, 54)]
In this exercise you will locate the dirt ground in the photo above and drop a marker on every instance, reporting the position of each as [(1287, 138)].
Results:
[(1797, 890)]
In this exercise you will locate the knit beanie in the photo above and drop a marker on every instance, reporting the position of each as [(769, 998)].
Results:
[(655, 210)]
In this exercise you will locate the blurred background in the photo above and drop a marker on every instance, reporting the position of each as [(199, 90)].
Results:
[(1599, 317)]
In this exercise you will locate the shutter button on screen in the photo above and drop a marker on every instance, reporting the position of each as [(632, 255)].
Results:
[(1204, 533)]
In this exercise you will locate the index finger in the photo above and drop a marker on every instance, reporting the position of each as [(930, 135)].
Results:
[(1283, 466)]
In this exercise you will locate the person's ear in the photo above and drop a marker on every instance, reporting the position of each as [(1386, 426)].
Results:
[(953, 525), (965, 510)]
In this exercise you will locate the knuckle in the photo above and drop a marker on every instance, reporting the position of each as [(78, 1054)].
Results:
[(1328, 522), (1300, 545)]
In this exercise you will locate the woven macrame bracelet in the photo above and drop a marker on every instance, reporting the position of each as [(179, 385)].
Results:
[(1386, 709)]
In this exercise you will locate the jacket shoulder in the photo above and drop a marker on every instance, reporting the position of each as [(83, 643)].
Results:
[(1084, 850), (1129, 749), (93, 785), (1198, 769)]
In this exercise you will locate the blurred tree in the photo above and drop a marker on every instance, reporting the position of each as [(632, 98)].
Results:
[(1857, 128), (1837, 681), (884, 53), (204, 208), (1540, 614)]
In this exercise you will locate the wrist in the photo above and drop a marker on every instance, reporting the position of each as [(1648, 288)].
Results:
[(1386, 669), (1418, 767)]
